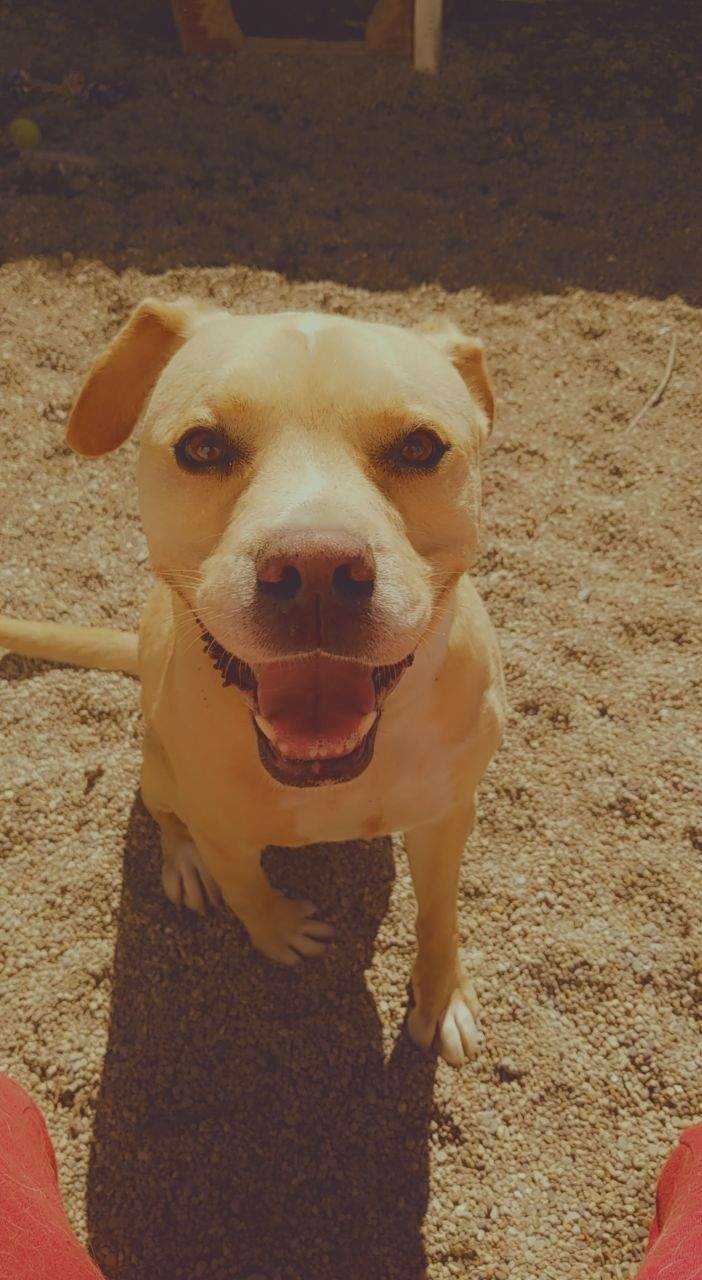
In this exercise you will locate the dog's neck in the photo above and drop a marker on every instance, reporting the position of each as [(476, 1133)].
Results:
[(429, 657)]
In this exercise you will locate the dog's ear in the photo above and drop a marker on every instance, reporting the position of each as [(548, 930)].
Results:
[(468, 357), (121, 379)]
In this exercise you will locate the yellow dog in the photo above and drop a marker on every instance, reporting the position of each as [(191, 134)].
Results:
[(316, 664)]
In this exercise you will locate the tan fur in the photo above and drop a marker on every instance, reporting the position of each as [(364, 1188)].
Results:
[(468, 357), (102, 648), (121, 378), (313, 401)]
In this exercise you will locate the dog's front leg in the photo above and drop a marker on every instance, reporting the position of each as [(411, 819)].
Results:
[(284, 929), (445, 1001), (186, 881)]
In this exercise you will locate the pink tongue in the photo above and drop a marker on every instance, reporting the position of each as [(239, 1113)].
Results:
[(312, 699)]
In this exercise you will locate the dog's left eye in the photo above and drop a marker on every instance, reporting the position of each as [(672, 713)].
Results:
[(205, 449), (421, 450)]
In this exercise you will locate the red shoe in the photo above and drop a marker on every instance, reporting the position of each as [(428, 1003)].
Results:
[(36, 1240), (675, 1240)]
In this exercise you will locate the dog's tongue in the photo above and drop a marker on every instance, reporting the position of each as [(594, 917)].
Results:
[(315, 707)]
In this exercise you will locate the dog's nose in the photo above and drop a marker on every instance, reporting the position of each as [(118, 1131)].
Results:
[(322, 564)]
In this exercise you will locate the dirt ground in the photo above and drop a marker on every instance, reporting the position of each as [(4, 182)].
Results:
[(215, 1116)]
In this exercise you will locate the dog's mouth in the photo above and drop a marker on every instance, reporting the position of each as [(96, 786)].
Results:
[(316, 717)]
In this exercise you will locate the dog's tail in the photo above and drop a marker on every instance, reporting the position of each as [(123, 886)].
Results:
[(102, 648)]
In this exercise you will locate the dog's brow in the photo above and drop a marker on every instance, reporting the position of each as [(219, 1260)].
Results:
[(229, 408), (225, 417)]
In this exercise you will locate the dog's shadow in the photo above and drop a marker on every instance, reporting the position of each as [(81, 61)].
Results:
[(14, 669), (247, 1120)]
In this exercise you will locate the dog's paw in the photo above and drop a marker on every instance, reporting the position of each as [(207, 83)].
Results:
[(455, 1029), (289, 931), (186, 880)]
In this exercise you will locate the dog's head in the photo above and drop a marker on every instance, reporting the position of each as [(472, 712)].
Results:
[(310, 488)]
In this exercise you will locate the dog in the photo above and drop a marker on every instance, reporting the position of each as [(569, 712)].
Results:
[(315, 661)]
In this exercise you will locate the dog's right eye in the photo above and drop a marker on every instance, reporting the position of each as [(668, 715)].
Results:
[(205, 449)]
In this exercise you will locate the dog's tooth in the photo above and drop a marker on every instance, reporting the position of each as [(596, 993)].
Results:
[(322, 748)]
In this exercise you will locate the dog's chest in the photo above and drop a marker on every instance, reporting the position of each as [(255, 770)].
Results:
[(431, 748), (410, 781), (228, 794)]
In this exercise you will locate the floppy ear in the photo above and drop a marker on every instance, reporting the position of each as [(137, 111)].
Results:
[(122, 378), (468, 357)]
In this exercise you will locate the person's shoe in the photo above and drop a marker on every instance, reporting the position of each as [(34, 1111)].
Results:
[(675, 1240), (36, 1240)]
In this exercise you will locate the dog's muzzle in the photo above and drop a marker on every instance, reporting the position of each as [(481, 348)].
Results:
[(315, 717)]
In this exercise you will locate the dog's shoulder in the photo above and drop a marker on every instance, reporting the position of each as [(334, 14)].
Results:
[(473, 650), (156, 644)]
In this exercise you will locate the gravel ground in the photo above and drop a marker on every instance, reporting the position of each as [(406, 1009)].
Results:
[(213, 1115)]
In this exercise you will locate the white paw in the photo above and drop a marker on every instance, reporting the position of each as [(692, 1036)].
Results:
[(455, 1028), (186, 881), (288, 930)]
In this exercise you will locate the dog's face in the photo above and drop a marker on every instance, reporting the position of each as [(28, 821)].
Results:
[(309, 485)]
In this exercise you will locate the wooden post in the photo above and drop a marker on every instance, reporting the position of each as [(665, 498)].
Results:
[(428, 22), (207, 26), (389, 27)]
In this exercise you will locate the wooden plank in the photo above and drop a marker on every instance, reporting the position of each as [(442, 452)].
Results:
[(428, 23), (264, 44)]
